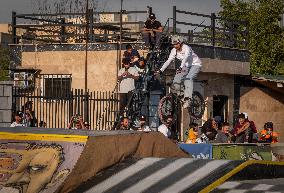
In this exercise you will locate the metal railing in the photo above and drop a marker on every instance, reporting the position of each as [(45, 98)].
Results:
[(71, 27), (57, 112), (215, 31)]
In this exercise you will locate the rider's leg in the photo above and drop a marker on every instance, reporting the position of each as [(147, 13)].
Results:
[(177, 85), (146, 38), (188, 82)]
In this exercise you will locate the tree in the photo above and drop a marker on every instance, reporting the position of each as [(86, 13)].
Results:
[(4, 64), (266, 38)]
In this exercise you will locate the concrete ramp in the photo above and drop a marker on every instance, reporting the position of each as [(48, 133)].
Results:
[(57, 160), (159, 175), (36, 160), (172, 175)]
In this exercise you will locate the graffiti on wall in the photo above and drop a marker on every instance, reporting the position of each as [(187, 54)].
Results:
[(36, 166), (239, 152)]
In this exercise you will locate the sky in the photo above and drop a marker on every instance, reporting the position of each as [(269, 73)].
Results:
[(162, 8)]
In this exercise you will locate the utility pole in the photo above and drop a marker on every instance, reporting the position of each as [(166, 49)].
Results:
[(120, 32), (86, 95), (86, 46)]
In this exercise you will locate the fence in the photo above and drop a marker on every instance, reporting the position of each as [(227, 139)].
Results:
[(57, 112), (213, 30), (72, 27)]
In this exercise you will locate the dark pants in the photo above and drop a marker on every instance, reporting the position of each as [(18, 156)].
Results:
[(246, 136), (147, 38), (123, 100)]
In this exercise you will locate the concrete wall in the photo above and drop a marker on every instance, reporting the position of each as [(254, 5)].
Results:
[(102, 66), (263, 105), (5, 28), (225, 66), (5, 103), (217, 84)]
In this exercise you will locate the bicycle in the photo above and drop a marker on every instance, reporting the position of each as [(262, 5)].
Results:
[(169, 104)]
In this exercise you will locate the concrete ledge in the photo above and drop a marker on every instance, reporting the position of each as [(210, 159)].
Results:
[(225, 66)]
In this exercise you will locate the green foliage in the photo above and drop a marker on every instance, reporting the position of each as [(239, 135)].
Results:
[(4, 64), (266, 38)]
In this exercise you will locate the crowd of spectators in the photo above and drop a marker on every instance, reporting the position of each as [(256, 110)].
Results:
[(245, 131)]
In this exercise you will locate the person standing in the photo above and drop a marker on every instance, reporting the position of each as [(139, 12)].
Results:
[(126, 77)]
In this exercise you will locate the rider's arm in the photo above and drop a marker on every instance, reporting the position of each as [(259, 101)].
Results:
[(187, 55), (170, 59)]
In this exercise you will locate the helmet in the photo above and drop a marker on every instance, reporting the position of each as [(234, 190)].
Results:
[(177, 39)]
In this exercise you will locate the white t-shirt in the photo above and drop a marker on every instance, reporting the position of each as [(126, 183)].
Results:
[(15, 124), (127, 84), (164, 129), (186, 55), (145, 128)]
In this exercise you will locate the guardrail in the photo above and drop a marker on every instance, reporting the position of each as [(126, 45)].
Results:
[(66, 27), (215, 31)]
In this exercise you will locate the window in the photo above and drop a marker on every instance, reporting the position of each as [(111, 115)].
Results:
[(23, 80), (56, 86)]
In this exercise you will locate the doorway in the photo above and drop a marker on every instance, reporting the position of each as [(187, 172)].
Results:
[(220, 107)]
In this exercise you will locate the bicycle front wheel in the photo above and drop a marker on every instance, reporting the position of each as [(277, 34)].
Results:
[(168, 105)]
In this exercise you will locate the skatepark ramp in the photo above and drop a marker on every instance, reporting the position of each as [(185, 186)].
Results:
[(57, 160)]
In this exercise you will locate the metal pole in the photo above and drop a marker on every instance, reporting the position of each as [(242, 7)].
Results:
[(14, 22), (174, 19), (91, 15), (86, 105), (120, 33), (213, 16), (86, 45)]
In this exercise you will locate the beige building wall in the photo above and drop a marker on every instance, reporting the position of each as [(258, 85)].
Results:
[(263, 105), (218, 84), (5, 28), (102, 66)]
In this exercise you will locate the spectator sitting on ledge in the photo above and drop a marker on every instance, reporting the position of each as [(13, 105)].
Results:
[(124, 124), (78, 121), (18, 120), (224, 136)]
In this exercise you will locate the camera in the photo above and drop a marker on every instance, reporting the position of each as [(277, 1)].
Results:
[(76, 118)]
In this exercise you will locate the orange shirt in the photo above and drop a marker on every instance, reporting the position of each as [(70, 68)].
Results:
[(264, 136)]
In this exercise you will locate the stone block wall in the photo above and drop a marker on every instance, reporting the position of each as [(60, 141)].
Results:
[(5, 103)]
